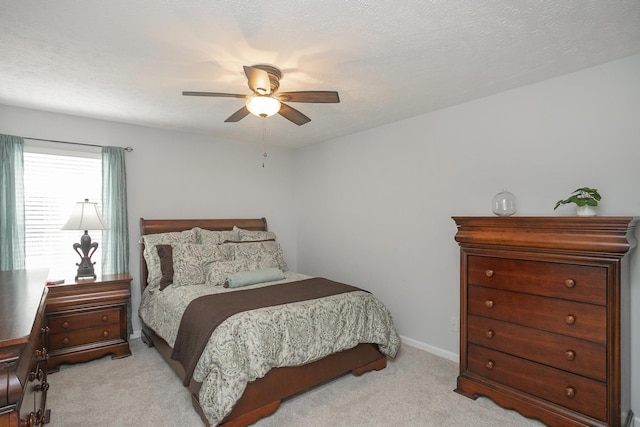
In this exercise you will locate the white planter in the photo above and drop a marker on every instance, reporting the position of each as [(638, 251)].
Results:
[(586, 210)]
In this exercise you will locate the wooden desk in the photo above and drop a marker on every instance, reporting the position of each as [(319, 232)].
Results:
[(22, 348)]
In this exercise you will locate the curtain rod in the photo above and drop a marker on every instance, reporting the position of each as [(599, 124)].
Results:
[(129, 149)]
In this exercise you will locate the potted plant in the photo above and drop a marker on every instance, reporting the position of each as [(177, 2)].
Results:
[(585, 198)]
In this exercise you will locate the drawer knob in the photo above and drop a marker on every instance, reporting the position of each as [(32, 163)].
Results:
[(105, 318), (65, 340), (489, 364), (569, 283), (570, 319), (569, 354), (570, 392), (30, 421), (105, 333), (36, 375), (488, 303), (488, 273), (489, 334), (45, 330), (41, 355), (65, 324), (44, 386)]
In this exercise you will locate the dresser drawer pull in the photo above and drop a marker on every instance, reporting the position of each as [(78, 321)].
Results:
[(41, 355), (570, 319), (65, 324), (570, 355), (30, 421), (65, 340), (44, 386), (488, 273), (569, 283), (105, 333), (38, 375), (105, 318), (570, 392), (488, 303), (489, 364), (489, 334)]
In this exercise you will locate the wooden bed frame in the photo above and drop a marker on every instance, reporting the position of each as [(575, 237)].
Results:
[(262, 396)]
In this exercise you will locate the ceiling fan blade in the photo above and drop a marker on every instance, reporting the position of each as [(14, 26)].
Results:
[(319, 96), (293, 115), (258, 80), (219, 95), (238, 115)]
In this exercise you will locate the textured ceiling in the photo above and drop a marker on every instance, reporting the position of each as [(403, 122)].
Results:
[(129, 61)]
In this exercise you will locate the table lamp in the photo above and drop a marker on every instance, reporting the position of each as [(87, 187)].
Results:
[(85, 216)]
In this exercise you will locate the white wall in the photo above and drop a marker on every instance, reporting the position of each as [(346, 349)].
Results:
[(179, 175), (375, 208)]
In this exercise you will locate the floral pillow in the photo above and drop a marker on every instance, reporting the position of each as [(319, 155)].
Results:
[(266, 254), (253, 235), (211, 237), (151, 254), (190, 260), (217, 272)]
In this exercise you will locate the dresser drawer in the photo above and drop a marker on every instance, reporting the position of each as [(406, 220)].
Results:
[(76, 321), (570, 354), (84, 336), (568, 281), (579, 320), (569, 390)]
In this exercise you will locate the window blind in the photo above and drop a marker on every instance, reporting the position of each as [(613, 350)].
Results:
[(53, 184)]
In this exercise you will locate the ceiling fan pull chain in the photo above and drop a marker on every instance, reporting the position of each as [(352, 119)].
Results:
[(264, 140)]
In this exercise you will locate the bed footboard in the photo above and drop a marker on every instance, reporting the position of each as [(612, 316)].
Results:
[(262, 397)]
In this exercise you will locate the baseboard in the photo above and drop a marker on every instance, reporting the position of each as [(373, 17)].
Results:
[(454, 357), (135, 334)]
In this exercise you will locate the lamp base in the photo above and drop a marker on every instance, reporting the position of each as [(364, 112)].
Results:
[(85, 267)]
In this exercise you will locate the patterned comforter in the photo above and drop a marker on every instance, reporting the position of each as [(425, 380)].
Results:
[(247, 345)]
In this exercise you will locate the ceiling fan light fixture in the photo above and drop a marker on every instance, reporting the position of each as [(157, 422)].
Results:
[(263, 106)]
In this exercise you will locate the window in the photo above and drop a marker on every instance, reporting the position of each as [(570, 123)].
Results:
[(54, 181)]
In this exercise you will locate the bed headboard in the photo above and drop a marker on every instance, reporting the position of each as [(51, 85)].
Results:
[(155, 226)]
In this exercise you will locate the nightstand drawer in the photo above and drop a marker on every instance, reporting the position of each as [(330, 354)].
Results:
[(572, 391), (570, 354), (579, 320), (567, 281), (93, 319), (84, 336)]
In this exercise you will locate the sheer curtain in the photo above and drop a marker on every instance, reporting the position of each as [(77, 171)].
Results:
[(12, 229), (115, 241)]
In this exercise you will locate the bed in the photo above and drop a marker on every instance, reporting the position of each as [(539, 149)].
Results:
[(241, 376)]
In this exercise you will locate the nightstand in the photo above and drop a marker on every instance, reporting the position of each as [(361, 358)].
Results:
[(87, 319)]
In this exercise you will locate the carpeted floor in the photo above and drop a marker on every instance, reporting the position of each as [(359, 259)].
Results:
[(416, 389)]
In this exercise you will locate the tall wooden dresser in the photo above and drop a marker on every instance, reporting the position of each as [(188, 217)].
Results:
[(23, 355), (545, 316)]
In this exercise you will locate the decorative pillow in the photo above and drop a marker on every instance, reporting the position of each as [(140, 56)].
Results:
[(189, 261), (151, 254), (252, 277), (165, 253), (210, 237), (216, 273), (265, 254), (253, 236)]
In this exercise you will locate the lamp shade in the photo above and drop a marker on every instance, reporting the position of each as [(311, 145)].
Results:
[(263, 106), (85, 216)]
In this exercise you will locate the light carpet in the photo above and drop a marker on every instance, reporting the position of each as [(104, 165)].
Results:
[(416, 389)]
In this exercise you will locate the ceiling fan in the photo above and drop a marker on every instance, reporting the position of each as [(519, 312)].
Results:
[(264, 81)]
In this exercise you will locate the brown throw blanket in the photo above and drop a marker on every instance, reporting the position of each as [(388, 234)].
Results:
[(205, 313)]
